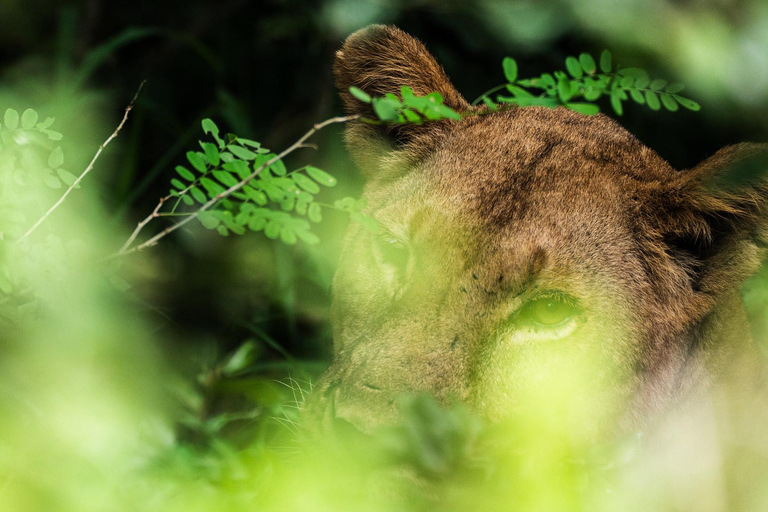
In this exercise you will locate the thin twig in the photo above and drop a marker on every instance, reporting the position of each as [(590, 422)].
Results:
[(226, 193), (87, 169), (143, 223)]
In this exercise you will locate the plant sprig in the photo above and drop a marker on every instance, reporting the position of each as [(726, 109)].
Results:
[(411, 109), (234, 184), (584, 82)]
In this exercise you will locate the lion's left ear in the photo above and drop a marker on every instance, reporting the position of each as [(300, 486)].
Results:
[(714, 218), (382, 59)]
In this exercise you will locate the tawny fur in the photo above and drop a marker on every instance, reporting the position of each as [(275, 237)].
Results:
[(497, 206)]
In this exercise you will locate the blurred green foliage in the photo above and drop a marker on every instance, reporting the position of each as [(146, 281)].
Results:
[(174, 380)]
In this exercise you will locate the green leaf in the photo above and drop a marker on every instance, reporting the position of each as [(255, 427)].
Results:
[(242, 358), (314, 213), (259, 219), (187, 200), (257, 196), (196, 159), (67, 177), (411, 116), (689, 104), (56, 158), (447, 112), (51, 181), (307, 237), (208, 219), (510, 69), (28, 119), (616, 102), (658, 84), (211, 153), (46, 124), (345, 204), (674, 88), (211, 187), (587, 63), (627, 81), (242, 153), (185, 173), (360, 94), (238, 167), (637, 96), (564, 90), (288, 236), (179, 185), (321, 176), (198, 194), (272, 230), (288, 203), (384, 109), (225, 178), (490, 104), (606, 61), (642, 81), (587, 109), (305, 183), (278, 168), (669, 102), (652, 100), (210, 127), (248, 142), (573, 67), (11, 119)]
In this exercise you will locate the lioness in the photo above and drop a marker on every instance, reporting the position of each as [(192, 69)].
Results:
[(533, 248)]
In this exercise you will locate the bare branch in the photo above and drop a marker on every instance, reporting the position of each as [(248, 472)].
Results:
[(87, 169), (226, 193), (143, 223)]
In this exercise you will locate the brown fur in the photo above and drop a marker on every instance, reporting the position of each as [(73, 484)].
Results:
[(498, 208)]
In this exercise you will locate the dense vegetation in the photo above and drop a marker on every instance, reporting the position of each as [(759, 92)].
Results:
[(172, 377)]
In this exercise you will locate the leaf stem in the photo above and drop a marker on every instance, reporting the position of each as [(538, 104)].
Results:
[(125, 249), (87, 169)]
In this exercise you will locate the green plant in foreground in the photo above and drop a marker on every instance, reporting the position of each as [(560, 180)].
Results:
[(411, 109), (584, 83)]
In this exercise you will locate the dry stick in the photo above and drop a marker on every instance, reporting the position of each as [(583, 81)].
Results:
[(222, 195), (87, 169)]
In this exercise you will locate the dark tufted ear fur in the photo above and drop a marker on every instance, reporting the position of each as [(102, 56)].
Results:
[(381, 59), (714, 217)]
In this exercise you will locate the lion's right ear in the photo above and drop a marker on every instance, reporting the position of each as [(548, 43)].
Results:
[(381, 59)]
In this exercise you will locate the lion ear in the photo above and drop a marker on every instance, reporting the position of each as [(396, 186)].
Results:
[(715, 217), (381, 59)]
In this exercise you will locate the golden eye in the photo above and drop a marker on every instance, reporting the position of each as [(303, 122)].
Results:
[(549, 311)]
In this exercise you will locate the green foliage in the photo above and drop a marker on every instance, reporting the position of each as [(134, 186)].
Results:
[(239, 185), (408, 109), (581, 85), (31, 172)]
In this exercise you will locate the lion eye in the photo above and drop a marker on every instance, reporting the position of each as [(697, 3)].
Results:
[(394, 253), (549, 311)]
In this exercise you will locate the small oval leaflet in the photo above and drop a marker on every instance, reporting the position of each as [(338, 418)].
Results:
[(29, 119), (306, 183), (241, 152), (510, 69), (321, 176), (185, 173), (56, 158), (360, 94), (11, 119)]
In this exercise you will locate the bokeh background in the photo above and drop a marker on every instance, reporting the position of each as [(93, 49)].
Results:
[(123, 372)]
